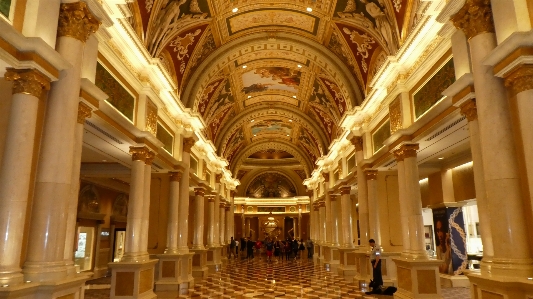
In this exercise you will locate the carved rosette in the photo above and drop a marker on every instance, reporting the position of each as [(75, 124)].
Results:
[(346, 190), (27, 81), (76, 21), (395, 116), (139, 153), (520, 79), (188, 143), (326, 176), (175, 176), (199, 191), (474, 18), (469, 109), (84, 111), (371, 174), (357, 141)]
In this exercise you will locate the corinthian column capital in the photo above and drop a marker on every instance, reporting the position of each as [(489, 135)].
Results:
[(27, 81), (140, 153), (326, 176), (188, 143), (175, 176), (76, 21), (84, 111), (474, 18), (406, 151), (469, 109), (357, 141), (520, 79)]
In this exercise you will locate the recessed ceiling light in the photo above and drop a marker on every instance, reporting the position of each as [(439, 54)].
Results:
[(290, 120), (244, 66), (299, 65), (294, 97), (255, 135), (309, 9), (287, 135), (249, 96), (252, 121), (441, 158), (235, 9)]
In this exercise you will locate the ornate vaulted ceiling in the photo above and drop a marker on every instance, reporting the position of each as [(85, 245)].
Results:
[(272, 79)]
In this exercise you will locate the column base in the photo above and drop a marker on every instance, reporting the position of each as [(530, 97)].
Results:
[(70, 287), (454, 281), (418, 279), (132, 279), (486, 286), (168, 272), (214, 259), (199, 263), (362, 267), (388, 268), (42, 272), (331, 259), (347, 267)]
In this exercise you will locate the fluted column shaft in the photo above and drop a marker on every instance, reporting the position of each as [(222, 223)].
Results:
[(45, 258), (222, 217), (184, 197), (469, 109), (322, 222), (404, 206), (329, 215), (346, 212), (247, 227), (335, 213), (361, 191), (211, 221), (229, 232), (512, 252), (173, 212), (15, 171), (412, 194), (199, 203), (216, 223), (373, 205), (146, 204), (84, 111)]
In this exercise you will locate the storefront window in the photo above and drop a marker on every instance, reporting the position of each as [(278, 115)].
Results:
[(84, 252), (120, 237)]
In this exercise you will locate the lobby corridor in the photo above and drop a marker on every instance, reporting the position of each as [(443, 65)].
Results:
[(279, 279)]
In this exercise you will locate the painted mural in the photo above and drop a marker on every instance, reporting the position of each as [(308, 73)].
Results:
[(272, 126), (207, 95), (271, 78), (431, 92), (380, 135), (337, 96), (272, 17), (223, 98), (119, 97), (271, 185)]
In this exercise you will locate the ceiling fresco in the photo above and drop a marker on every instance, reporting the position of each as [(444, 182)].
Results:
[(267, 75)]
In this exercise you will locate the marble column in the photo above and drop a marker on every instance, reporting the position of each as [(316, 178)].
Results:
[(512, 252), (335, 217), (414, 201), (362, 192), (373, 205), (295, 226), (470, 111), (229, 231), (84, 111), (247, 227), (146, 203), (173, 212), (133, 251), (183, 219), (404, 204), (216, 231), (198, 240), (346, 212), (210, 220), (15, 171), (315, 223), (322, 222), (223, 223), (231, 227), (329, 220), (45, 255)]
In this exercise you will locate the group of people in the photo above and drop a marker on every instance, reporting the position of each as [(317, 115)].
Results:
[(290, 248)]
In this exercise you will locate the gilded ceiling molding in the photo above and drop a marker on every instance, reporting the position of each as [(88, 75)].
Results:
[(223, 56), (27, 81), (283, 145), (474, 18), (281, 111), (519, 80), (77, 21)]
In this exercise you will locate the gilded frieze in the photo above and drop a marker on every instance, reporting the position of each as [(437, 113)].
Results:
[(151, 117), (395, 115), (119, 97), (431, 92)]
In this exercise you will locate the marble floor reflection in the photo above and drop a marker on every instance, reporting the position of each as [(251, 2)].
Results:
[(258, 279)]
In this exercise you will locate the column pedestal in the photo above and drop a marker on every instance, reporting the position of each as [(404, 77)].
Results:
[(362, 267), (347, 264), (331, 258), (174, 272), (214, 259), (418, 279), (199, 263), (388, 268), (133, 279)]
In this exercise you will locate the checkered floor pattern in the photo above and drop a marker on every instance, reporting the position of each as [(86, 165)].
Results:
[(279, 279)]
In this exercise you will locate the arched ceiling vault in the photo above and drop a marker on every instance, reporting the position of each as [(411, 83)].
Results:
[(272, 74)]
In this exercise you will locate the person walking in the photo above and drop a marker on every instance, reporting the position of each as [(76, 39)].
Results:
[(232, 245), (375, 259), (237, 248), (310, 248), (269, 249), (250, 249)]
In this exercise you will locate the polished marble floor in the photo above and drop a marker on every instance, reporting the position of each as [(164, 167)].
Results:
[(258, 279)]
